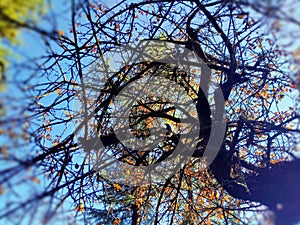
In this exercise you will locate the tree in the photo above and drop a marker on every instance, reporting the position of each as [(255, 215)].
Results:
[(15, 15), (73, 117)]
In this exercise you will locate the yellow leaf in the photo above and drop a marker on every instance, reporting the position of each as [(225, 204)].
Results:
[(139, 202), (241, 16), (60, 33), (118, 187), (80, 207)]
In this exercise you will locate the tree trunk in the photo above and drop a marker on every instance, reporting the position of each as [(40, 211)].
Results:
[(277, 186)]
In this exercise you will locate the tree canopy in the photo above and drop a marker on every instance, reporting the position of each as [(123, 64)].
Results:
[(13, 16), (155, 112)]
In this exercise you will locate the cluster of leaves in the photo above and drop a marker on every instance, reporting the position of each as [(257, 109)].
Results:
[(74, 98), (13, 16)]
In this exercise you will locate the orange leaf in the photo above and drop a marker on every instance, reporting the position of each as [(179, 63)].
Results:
[(35, 180), (2, 190), (241, 16), (3, 151), (60, 33), (117, 221), (80, 207), (118, 187)]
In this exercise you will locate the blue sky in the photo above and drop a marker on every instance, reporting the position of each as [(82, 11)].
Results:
[(33, 46)]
